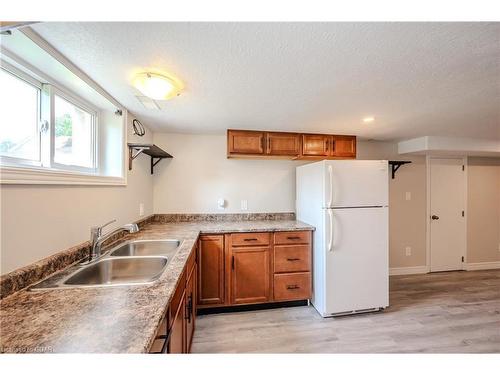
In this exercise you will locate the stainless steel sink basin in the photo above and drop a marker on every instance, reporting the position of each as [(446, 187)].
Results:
[(113, 271), (147, 248)]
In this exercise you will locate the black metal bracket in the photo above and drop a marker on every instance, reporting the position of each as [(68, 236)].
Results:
[(135, 149), (395, 165), (153, 163)]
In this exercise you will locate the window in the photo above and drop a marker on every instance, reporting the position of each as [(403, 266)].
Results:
[(73, 134), (43, 126), (19, 135)]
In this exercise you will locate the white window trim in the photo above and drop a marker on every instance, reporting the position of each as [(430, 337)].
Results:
[(29, 80), (87, 107), (43, 176), (33, 174)]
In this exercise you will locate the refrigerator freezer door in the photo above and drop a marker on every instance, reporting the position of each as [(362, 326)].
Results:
[(356, 183), (357, 267)]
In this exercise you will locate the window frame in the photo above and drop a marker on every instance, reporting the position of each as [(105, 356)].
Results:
[(45, 171), (86, 107), (32, 81)]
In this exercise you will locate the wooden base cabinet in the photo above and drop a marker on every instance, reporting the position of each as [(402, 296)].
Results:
[(211, 291), (250, 281), (175, 333), (256, 268)]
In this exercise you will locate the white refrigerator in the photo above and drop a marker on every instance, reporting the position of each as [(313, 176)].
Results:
[(347, 202)]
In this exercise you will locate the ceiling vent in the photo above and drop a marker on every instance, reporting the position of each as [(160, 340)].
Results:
[(147, 102)]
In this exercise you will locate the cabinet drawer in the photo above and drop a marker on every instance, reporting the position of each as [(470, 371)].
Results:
[(285, 238), (293, 258), (250, 239), (292, 286)]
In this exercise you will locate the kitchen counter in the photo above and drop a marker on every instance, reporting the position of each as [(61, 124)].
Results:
[(116, 319)]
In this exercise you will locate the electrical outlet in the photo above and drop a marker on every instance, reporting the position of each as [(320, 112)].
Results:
[(141, 209), (244, 205), (408, 196), (408, 251)]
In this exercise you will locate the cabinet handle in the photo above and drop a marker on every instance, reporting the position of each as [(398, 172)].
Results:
[(250, 239), (232, 262), (327, 145), (293, 238), (189, 307), (292, 259), (295, 286)]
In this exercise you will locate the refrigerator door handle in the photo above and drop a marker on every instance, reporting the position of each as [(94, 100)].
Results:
[(330, 237), (330, 175)]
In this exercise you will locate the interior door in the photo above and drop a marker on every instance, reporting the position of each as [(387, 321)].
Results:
[(447, 221)]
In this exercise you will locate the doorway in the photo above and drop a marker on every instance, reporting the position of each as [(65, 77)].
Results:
[(446, 214)]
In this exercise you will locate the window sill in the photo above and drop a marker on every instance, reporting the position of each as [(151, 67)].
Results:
[(38, 176)]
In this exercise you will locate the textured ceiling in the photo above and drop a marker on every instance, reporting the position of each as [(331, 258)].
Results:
[(415, 78)]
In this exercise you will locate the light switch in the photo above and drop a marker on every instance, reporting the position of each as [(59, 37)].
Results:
[(408, 196), (408, 251), (141, 209)]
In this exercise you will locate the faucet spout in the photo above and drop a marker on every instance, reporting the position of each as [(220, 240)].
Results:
[(97, 238)]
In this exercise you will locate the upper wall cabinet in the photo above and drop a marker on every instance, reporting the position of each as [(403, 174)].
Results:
[(344, 146), (283, 144), (316, 145), (244, 143)]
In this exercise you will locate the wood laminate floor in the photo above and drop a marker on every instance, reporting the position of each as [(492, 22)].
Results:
[(449, 312)]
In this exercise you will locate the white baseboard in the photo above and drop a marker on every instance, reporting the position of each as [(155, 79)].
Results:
[(482, 266), (408, 270)]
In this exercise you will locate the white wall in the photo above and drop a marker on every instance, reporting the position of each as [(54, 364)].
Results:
[(483, 210), (38, 221), (57, 217), (200, 174)]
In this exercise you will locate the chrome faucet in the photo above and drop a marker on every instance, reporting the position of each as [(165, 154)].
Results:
[(97, 238)]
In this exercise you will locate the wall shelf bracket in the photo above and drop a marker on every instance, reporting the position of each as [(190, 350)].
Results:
[(396, 164), (135, 149)]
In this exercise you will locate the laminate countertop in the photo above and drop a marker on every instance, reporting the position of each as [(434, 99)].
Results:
[(115, 319)]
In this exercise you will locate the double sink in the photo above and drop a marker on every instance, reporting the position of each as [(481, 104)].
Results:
[(133, 262)]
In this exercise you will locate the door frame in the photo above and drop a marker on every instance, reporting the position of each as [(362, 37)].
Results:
[(428, 159)]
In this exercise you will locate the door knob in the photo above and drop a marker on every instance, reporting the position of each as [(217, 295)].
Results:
[(435, 217)]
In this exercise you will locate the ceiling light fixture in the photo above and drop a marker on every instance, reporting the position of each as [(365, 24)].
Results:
[(157, 86), (368, 119)]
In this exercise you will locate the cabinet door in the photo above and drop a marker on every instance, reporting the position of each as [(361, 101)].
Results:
[(177, 343), (283, 144), (245, 142), (250, 274), (315, 144), (190, 310), (211, 270), (344, 146)]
